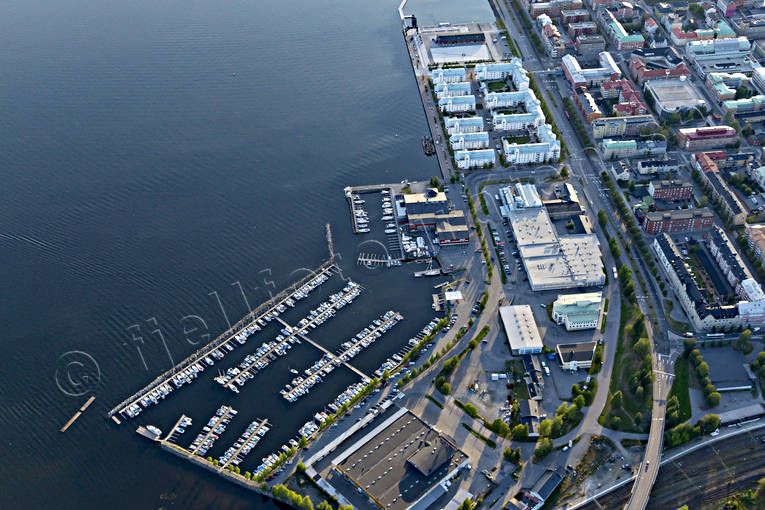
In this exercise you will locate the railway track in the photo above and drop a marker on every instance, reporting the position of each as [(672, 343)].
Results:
[(700, 478)]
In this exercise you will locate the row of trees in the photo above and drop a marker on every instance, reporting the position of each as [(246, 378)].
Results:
[(581, 130), (702, 372), (684, 432)]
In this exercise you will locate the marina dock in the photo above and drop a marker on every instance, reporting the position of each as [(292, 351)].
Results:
[(352, 192), (175, 427), (199, 446), (78, 413), (350, 350), (356, 370), (266, 355), (253, 437), (196, 358)]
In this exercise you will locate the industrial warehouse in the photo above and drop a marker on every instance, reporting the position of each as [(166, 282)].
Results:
[(403, 463)]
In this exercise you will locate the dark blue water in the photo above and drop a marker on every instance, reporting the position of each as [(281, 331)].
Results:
[(155, 156)]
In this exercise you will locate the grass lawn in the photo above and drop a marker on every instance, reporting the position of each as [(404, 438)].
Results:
[(680, 387), (520, 140), (432, 399), (480, 436), (520, 390), (496, 86), (625, 364), (674, 324)]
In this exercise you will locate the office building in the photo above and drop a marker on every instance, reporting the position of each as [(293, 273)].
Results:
[(579, 77), (447, 75), (455, 125), (578, 311), (702, 138), (683, 220), (457, 104), (674, 191), (481, 158)]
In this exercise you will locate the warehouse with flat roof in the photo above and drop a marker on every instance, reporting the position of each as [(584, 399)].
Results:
[(521, 329), (552, 262), (401, 462)]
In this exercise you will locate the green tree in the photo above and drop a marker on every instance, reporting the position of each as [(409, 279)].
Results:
[(471, 410), (709, 423), (743, 340), (557, 426), (579, 402), (703, 369), (617, 399), (543, 449), (545, 427), (520, 432), (602, 218), (713, 399), (761, 492), (324, 506)]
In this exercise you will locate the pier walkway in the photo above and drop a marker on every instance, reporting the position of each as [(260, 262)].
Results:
[(342, 355), (364, 376), (431, 111), (198, 356), (194, 449), (172, 430), (271, 353), (369, 188), (239, 449)]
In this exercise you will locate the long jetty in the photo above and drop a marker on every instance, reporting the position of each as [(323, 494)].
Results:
[(78, 413), (197, 356)]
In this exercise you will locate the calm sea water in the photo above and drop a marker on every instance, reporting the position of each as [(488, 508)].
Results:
[(154, 157)]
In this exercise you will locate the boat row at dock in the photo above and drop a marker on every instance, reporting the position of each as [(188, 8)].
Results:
[(394, 361), (359, 216), (212, 431), (244, 445), (323, 367), (193, 369), (236, 377)]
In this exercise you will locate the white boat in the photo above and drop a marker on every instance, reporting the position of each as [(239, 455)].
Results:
[(294, 371), (390, 230), (387, 217), (363, 230)]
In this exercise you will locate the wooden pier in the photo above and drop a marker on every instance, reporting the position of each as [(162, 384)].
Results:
[(371, 188), (167, 437), (372, 260), (327, 267), (78, 413)]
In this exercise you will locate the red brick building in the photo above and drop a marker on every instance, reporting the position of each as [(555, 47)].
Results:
[(684, 220), (574, 15), (642, 73), (712, 137), (675, 191)]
